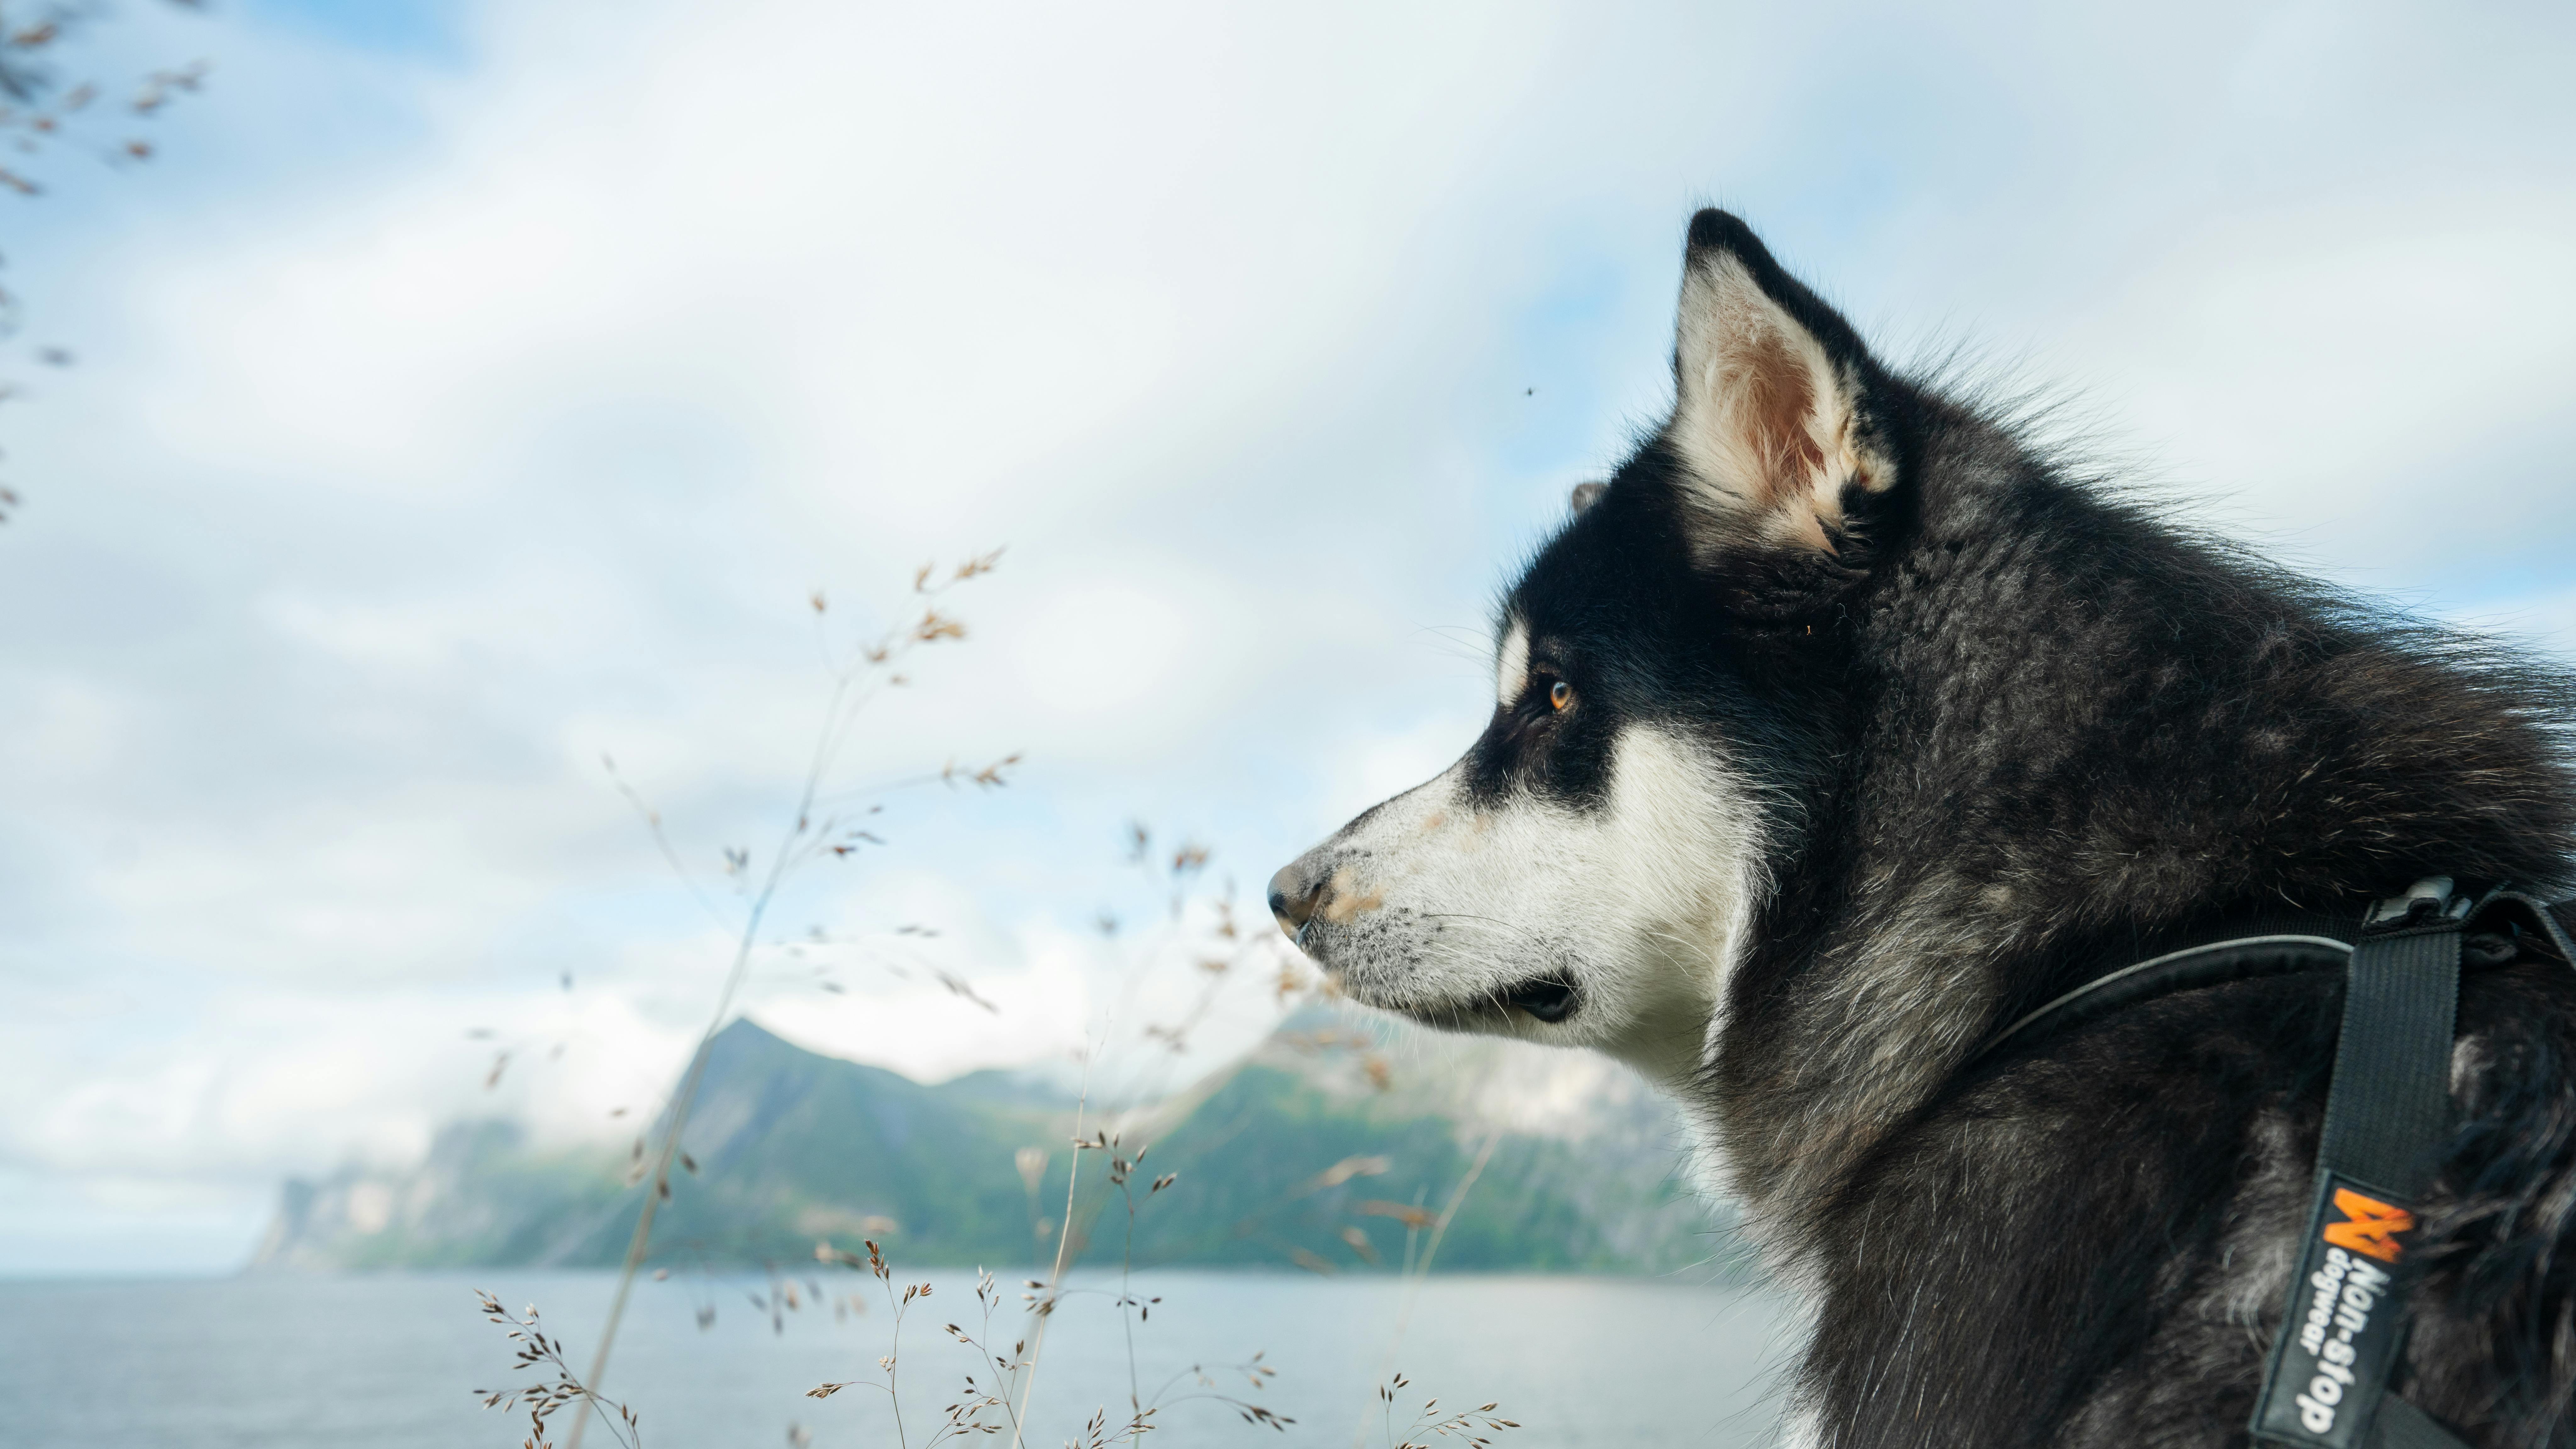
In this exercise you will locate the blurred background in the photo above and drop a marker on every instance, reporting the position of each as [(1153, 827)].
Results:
[(450, 400)]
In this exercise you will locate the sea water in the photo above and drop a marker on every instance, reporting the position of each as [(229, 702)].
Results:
[(392, 1361)]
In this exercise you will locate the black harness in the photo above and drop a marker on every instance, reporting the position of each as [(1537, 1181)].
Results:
[(2326, 1385)]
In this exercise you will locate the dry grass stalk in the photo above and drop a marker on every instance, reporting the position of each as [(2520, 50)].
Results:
[(39, 112), (1417, 1269), (859, 676), (1477, 1427), (961, 1417), (544, 1399), (1217, 959), (973, 1411)]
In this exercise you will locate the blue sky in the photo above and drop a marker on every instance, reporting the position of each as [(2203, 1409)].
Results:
[(468, 391)]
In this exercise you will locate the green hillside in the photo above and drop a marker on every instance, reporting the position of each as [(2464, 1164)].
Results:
[(1288, 1159)]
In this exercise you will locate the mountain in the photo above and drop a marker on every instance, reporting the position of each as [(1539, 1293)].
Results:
[(1330, 1147)]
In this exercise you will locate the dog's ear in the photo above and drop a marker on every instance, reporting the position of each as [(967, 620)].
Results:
[(1777, 418)]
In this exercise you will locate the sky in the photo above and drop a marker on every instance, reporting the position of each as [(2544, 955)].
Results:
[(469, 392)]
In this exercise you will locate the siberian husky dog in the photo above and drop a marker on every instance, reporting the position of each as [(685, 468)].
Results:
[(1844, 725)]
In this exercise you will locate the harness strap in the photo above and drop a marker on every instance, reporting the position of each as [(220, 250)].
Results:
[(2273, 943), (2390, 1105), (2401, 1425), (2326, 1381), (2212, 963), (2387, 1115)]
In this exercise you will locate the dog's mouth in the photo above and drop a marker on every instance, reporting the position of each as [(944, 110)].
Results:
[(1549, 998)]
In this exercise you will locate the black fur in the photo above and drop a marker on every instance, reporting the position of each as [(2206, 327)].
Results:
[(2010, 717)]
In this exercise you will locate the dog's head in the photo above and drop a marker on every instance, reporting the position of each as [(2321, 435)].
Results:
[(1585, 873)]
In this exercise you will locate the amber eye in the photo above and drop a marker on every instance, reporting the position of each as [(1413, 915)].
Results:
[(1560, 695)]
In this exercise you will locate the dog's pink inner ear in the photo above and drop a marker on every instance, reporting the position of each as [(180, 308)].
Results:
[(1779, 398), (1765, 422)]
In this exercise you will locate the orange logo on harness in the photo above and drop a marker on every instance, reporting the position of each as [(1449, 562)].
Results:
[(2372, 1228)]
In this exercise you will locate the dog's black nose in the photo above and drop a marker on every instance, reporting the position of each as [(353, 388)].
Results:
[(1292, 900)]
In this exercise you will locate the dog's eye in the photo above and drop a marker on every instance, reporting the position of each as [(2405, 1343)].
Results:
[(1560, 696)]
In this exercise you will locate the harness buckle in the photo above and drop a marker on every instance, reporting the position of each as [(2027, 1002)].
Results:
[(2423, 901)]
